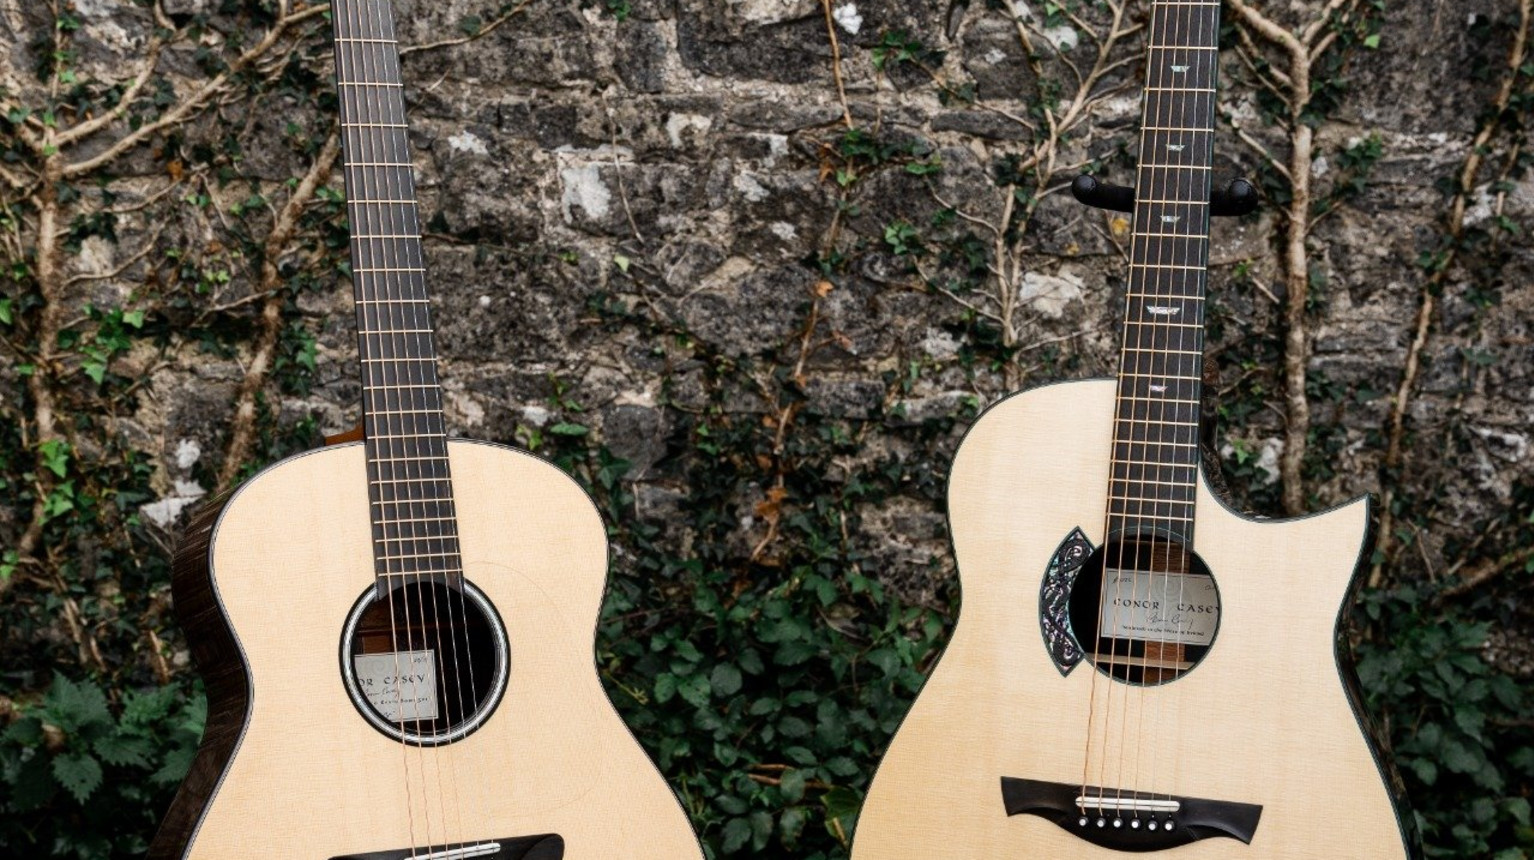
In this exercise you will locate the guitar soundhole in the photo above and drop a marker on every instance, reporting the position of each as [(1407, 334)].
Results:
[(427, 663), (1144, 610)]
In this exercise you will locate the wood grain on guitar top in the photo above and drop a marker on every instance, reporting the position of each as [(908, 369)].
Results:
[(310, 779), (1264, 719)]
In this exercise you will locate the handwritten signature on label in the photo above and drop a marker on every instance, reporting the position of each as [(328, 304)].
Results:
[(401, 685)]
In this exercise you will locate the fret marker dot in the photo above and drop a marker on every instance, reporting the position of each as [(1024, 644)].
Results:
[(1171, 219), (1177, 147), (1180, 69)]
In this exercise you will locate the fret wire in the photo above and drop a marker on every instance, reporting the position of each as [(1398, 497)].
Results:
[(1172, 119), (1116, 498), (393, 313), (1163, 351), (1148, 422), (1154, 464), (1140, 517), (413, 555)]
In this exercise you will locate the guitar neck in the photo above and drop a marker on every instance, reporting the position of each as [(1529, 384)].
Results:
[(1156, 430), (411, 488)]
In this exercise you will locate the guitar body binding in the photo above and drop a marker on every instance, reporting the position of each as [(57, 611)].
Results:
[(1269, 720)]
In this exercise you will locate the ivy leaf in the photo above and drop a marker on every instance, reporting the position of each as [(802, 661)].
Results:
[(792, 785), (791, 824), (78, 773), (55, 456), (5, 312), (793, 653), (60, 501), (695, 691), (841, 809), (134, 318), (1425, 769), (567, 428), (1459, 758), (725, 679), (737, 832), (665, 687)]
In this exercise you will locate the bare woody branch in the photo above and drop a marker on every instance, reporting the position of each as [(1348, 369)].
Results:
[(198, 101), (1428, 303), (286, 224), (1299, 52)]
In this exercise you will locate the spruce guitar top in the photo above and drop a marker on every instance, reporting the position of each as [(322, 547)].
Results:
[(1114, 683), (397, 634)]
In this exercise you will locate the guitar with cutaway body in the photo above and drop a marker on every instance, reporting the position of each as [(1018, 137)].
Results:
[(1114, 684), (397, 634)]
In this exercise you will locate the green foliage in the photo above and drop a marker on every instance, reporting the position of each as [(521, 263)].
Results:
[(85, 777), (1460, 729), (765, 677)]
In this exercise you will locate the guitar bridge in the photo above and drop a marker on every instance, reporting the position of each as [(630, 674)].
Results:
[(547, 846), (1130, 821)]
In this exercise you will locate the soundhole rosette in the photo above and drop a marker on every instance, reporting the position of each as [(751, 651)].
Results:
[(426, 661), (1144, 610)]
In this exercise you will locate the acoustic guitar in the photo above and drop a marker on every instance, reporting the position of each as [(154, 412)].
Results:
[(397, 634), (1137, 667)]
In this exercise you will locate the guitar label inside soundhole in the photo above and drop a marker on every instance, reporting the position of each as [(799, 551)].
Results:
[(1144, 610), (428, 662), (1173, 608), (402, 685)]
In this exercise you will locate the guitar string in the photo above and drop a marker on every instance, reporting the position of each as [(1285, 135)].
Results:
[(381, 224), (1211, 29), (406, 316), (347, 66), (406, 440), (1094, 654), (397, 186), (446, 506), (1178, 160), (1126, 514), (1138, 430), (443, 501), (1151, 280)]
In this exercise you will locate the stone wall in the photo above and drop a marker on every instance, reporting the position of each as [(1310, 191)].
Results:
[(847, 219)]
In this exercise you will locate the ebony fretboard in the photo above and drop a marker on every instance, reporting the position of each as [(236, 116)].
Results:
[(414, 528), (1156, 433)]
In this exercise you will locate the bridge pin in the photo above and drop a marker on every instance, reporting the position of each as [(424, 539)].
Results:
[(1118, 822), (1167, 824), (1101, 822), (1151, 825), (1134, 825), (1083, 821)]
